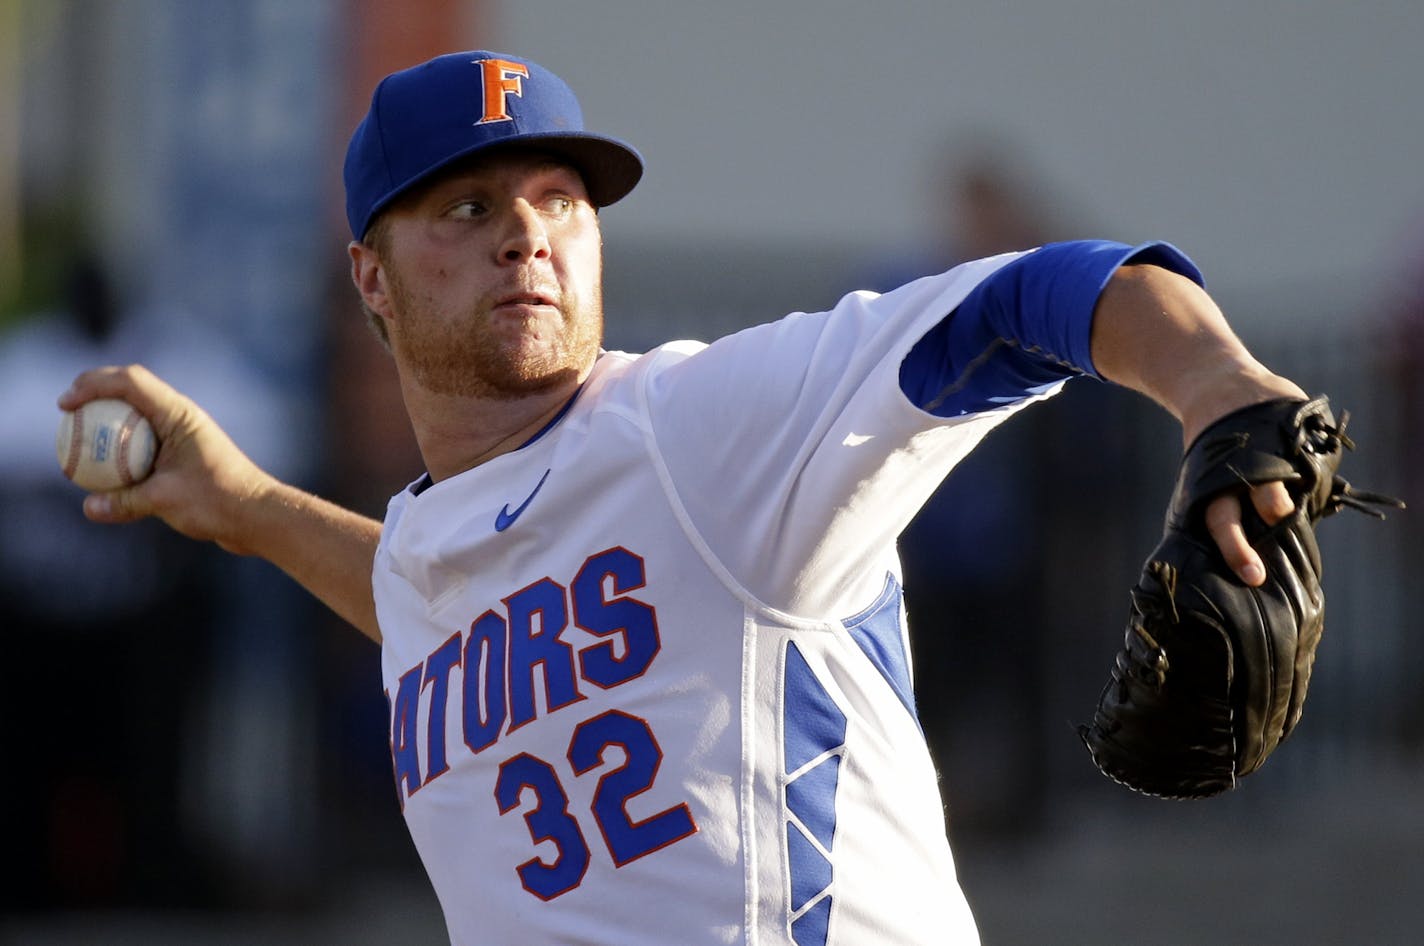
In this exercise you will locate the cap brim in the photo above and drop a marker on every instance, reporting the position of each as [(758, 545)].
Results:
[(609, 168)]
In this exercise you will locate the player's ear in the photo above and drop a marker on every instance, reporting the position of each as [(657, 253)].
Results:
[(368, 273)]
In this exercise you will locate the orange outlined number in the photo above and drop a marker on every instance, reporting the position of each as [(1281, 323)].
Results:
[(627, 840), (550, 820)]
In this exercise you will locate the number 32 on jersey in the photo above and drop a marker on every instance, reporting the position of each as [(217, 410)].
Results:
[(510, 646), (550, 820)]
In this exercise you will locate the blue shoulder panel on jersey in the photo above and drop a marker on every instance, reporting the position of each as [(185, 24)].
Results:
[(1025, 328)]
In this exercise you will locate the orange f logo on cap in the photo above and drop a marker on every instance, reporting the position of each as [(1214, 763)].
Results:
[(502, 79)]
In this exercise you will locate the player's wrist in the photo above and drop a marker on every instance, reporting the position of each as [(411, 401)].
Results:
[(254, 513), (1216, 393)]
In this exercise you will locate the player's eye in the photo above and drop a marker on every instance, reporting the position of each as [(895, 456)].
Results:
[(559, 205), (467, 210)]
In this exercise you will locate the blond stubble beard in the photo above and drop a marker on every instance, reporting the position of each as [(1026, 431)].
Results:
[(462, 360)]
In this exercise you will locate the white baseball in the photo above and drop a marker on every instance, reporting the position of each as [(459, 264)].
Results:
[(105, 444)]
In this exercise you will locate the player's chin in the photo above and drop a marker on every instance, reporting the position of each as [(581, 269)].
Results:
[(533, 360), (517, 371), (528, 342), (541, 369)]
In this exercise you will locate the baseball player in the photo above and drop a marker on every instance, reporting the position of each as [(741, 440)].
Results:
[(643, 642)]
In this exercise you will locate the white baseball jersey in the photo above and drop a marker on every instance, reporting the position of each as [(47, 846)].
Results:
[(648, 675)]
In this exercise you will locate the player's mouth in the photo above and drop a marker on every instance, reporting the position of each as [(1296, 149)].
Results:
[(524, 301)]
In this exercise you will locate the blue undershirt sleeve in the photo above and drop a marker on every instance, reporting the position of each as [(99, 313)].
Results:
[(1025, 328)]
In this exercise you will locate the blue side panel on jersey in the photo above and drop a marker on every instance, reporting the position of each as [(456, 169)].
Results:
[(814, 723), (814, 927), (812, 873), (878, 632), (813, 726), (811, 797)]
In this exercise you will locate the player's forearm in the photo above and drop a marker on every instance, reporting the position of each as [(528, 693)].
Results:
[(325, 548), (1160, 334)]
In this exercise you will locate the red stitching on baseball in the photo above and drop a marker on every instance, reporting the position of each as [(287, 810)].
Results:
[(76, 442), (125, 434)]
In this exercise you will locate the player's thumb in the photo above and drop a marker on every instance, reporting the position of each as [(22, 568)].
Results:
[(116, 506)]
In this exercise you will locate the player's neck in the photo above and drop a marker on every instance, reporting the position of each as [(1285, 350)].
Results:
[(456, 434)]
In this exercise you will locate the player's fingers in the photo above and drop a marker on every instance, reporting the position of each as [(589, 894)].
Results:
[(1272, 501), (164, 407), (108, 381), (117, 506), (132, 383), (1223, 521)]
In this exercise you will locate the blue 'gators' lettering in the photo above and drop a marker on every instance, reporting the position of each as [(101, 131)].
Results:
[(516, 664)]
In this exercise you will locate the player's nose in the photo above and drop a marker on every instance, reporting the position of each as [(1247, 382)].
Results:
[(525, 236)]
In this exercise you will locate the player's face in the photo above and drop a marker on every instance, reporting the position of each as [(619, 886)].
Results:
[(494, 277)]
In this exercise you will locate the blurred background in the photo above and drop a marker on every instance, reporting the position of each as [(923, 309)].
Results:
[(198, 753)]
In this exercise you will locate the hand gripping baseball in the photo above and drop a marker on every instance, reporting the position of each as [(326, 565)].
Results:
[(201, 479), (1213, 672), (206, 488)]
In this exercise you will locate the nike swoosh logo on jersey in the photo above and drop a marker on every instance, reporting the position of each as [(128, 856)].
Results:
[(505, 519)]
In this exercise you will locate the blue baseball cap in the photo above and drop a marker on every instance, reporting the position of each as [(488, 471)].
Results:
[(424, 118)]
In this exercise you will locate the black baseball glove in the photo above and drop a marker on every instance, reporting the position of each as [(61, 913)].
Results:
[(1213, 672)]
